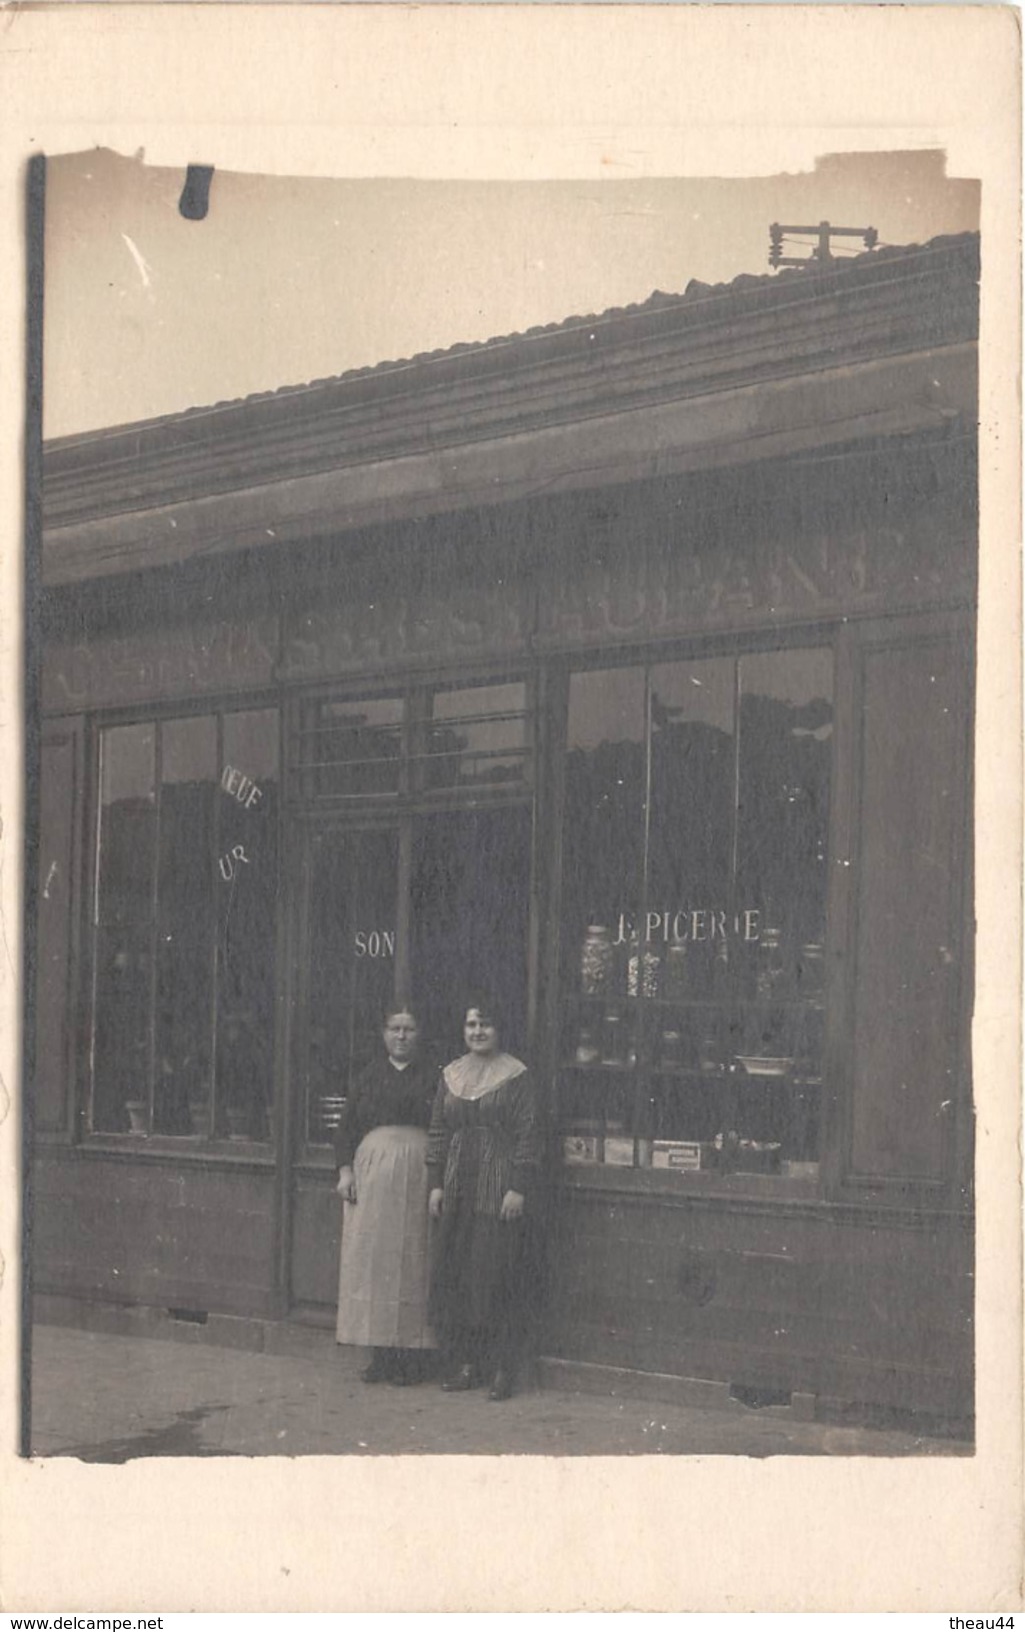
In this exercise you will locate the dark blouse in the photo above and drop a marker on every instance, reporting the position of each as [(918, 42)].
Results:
[(384, 1097), (480, 1148)]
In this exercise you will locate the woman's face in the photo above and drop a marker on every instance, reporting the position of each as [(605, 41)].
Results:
[(481, 1033), (400, 1036)]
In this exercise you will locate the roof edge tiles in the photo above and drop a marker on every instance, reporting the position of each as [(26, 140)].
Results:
[(747, 293)]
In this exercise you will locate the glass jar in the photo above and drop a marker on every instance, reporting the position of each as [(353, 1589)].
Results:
[(675, 981), (596, 961), (642, 971)]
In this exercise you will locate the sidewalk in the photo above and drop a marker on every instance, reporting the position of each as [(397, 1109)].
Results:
[(110, 1398)]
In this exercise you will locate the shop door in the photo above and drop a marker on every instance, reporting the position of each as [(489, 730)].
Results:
[(469, 893), (433, 907), (347, 949)]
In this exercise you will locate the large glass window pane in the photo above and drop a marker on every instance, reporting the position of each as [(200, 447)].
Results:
[(786, 725), (127, 838), (247, 895), (186, 902), (121, 1034), (690, 839), (352, 906), (708, 822), (786, 728), (354, 748), (603, 850), (124, 911), (185, 920), (690, 900), (469, 903), (476, 736)]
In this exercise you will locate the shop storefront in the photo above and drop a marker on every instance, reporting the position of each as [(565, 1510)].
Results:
[(623, 667)]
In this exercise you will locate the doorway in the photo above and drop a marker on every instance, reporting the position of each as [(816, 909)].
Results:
[(432, 907)]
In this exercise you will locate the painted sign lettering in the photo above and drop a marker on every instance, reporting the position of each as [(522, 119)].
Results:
[(184, 661), (691, 924), (338, 636), (240, 787), (229, 862), (374, 943)]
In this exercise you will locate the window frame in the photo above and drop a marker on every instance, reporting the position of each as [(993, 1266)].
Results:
[(212, 1149), (310, 813), (648, 655), (835, 1183), (415, 692)]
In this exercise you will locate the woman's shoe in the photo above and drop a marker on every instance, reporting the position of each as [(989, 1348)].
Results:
[(462, 1380), (379, 1369), (408, 1369), (416, 1366), (501, 1388)]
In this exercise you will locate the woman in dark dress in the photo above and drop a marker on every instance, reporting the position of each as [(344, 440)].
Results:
[(380, 1147), (483, 1161)]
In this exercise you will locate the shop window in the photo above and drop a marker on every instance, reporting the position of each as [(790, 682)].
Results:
[(186, 907), (353, 749), (122, 1066), (475, 737), (56, 946), (185, 926), (694, 881), (430, 740), (247, 899)]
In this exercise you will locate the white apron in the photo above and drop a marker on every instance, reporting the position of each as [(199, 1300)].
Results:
[(383, 1275)]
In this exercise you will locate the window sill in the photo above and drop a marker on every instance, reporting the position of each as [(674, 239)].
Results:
[(758, 1192), (317, 1159), (168, 1148), (664, 1185)]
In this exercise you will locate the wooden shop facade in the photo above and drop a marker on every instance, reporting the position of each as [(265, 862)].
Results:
[(625, 666)]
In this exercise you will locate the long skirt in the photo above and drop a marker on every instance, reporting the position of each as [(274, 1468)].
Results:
[(481, 1278), (385, 1264)]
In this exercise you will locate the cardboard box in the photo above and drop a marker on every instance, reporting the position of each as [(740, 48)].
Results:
[(682, 1155), (579, 1148), (619, 1151)]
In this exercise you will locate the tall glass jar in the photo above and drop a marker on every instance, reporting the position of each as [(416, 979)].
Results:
[(596, 957)]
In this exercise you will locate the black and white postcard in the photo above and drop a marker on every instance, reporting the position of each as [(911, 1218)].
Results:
[(521, 752)]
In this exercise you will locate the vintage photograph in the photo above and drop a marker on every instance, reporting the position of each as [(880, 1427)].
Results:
[(500, 825)]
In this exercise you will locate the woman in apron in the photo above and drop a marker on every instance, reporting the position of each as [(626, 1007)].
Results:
[(380, 1147)]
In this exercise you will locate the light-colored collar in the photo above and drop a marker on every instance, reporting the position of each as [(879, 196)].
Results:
[(399, 1065), (471, 1077)]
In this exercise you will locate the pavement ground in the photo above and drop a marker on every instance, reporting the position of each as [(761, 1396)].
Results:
[(106, 1397)]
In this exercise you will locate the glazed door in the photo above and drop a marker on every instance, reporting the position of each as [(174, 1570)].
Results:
[(430, 906), (348, 940), (351, 943), (469, 899)]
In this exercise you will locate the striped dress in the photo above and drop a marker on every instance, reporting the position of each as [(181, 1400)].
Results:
[(477, 1150)]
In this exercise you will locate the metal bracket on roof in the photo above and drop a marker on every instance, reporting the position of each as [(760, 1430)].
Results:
[(821, 253)]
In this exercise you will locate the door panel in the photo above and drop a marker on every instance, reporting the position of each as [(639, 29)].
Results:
[(350, 977), (469, 907)]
